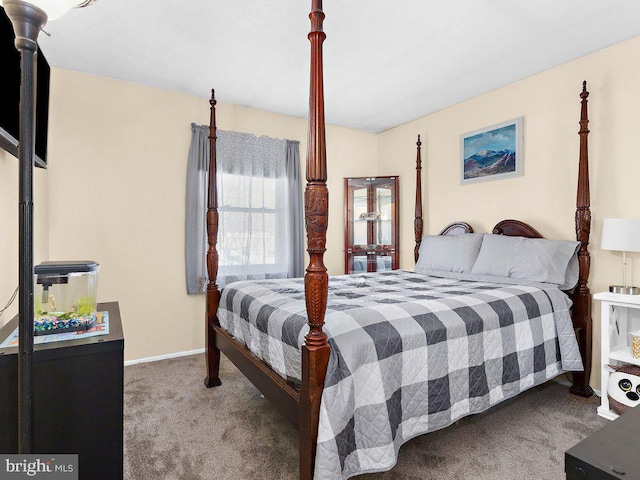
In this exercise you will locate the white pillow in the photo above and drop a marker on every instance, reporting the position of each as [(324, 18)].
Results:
[(448, 253), (532, 259)]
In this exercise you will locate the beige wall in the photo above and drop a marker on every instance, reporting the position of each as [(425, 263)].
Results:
[(545, 195), (118, 155), (115, 185), (9, 227)]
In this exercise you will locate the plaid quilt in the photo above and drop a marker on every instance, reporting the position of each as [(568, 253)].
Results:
[(410, 353)]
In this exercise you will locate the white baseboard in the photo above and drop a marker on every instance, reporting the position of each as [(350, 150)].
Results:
[(164, 357)]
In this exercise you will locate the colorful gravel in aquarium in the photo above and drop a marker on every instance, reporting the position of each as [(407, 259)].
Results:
[(58, 322)]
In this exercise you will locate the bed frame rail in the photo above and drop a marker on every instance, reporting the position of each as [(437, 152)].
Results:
[(275, 388)]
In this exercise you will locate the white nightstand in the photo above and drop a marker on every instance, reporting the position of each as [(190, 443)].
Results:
[(616, 323)]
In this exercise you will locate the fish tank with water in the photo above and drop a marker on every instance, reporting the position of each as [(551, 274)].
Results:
[(65, 297)]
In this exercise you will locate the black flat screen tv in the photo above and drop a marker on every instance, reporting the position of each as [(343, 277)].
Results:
[(10, 95)]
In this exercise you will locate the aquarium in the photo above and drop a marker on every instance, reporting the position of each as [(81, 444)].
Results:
[(65, 296)]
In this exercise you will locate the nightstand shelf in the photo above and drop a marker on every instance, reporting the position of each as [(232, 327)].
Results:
[(617, 320), (623, 354)]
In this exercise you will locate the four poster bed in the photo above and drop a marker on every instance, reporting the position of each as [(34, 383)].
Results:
[(370, 363)]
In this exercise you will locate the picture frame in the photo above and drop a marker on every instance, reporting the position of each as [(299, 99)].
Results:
[(492, 153)]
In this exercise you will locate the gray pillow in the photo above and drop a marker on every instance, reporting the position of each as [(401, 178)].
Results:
[(572, 274), (449, 253), (532, 259)]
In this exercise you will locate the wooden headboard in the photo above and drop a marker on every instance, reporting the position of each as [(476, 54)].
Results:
[(515, 228), (457, 228)]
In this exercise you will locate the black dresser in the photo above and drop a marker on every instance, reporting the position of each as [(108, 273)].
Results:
[(78, 398), (612, 452)]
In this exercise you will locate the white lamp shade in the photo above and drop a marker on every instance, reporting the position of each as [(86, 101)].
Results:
[(621, 234), (54, 8)]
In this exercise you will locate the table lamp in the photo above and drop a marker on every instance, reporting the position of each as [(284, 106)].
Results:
[(622, 234)]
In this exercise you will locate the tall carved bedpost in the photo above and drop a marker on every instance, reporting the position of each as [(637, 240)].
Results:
[(582, 297), (418, 223), (213, 293), (315, 351)]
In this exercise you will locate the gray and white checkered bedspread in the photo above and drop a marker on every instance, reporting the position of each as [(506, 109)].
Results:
[(410, 353)]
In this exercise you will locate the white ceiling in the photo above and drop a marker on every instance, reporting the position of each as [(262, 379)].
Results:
[(386, 62)]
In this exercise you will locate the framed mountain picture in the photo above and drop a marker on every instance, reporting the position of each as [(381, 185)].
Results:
[(492, 153)]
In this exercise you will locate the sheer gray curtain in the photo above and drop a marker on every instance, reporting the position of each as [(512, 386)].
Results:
[(259, 204), (295, 209)]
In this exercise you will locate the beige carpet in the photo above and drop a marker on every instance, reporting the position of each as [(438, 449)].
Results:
[(175, 428)]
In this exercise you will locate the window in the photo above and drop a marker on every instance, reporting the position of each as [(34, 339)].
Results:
[(260, 231), (253, 227)]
